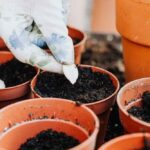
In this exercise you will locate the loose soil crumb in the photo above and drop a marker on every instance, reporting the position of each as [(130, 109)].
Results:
[(142, 113), (14, 73), (50, 140), (90, 86)]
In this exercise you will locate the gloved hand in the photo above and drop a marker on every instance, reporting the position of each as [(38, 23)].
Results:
[(25, 26)]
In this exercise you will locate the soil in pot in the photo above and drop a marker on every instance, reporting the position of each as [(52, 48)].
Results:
[(90, 86), (50, 140), (14, 73), (143, 112)]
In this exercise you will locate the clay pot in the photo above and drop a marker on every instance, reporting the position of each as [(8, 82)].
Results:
[(130, 91), (79, 47), (101, 107), (51, 108), (15, 92), (32, 128), (2, 45), (133, 24), (127, 142)]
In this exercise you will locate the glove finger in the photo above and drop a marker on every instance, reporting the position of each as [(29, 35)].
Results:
[(51, 24)]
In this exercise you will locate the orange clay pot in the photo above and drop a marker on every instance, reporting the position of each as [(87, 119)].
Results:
[(32, 128), (56, 109), (2, 45), (11, 93), (79, 48), (102, 107), (127, 142), (130, 91), (133, 23)]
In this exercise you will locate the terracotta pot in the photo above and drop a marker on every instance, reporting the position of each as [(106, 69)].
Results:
[(127, 142), (133, 24), (32, 128), (2, 45), (101, 107), (79, 47), (11, 93), (130, 91), (51, 108)]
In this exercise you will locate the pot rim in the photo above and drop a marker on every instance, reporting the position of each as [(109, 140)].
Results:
[(87, 66), (81, 32), (19, 85), (124, 137), (121, 107), (97, 122)]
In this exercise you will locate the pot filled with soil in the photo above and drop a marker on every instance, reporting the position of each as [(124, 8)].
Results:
[(96, 88), (51, 109), (16, 77), (44, 134), (133, 25), (134, 103), (138, 141)]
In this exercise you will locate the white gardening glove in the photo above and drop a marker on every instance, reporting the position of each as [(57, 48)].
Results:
[(25, 39)]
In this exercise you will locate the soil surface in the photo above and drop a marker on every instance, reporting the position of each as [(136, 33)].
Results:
[(142, 113), (14, 73), (90, 86), (105, 51), (50, 140)]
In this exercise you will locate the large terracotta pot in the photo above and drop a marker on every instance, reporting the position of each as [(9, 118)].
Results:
[(133, 23), (128, 93)]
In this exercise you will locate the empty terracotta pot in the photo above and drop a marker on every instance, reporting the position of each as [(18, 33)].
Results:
[(101, 107), (128, 93), (127, 142), (31, 129), (133, 24), (56, 109), (12, 93)]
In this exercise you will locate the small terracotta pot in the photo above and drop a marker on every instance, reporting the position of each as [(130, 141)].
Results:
[(127, 142), (133, 24), (32, 128), (130, 91), (2, 45), (79, 47), (12, 93), (51, 108), (101, 107)]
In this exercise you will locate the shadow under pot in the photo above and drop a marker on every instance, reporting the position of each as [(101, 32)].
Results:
[(16, 77), (134, 106), (137, 141), (95, 88), (77, 121), (44, 134)]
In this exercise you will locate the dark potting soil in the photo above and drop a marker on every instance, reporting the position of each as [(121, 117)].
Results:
[(14, 73), (142, 113), (75, 41), (50, 140), (90, 86)]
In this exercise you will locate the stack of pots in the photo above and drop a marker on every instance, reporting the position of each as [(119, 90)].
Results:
[(133, 23), (33, 116), (101, 108)]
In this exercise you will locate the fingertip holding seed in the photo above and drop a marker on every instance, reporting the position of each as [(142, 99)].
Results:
[(71, 72), (2, 84)]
